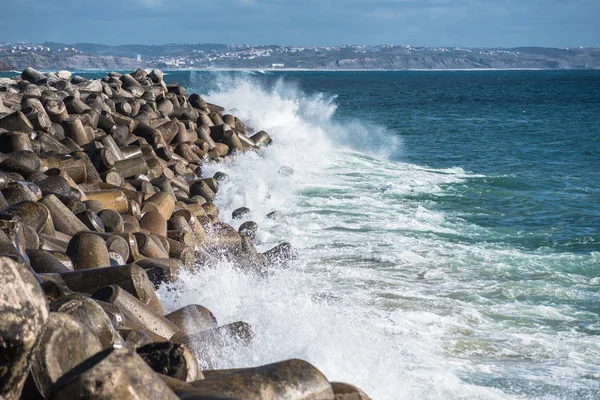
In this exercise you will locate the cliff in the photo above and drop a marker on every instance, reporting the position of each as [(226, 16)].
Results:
[(4, 66), (201, 56), (53, 61)]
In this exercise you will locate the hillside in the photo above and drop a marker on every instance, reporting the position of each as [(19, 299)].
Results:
[(201, 56), (4, 66)]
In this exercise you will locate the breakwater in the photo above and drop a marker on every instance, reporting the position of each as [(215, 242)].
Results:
[(102, 202)]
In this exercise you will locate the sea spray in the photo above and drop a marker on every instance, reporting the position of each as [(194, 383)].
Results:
[(398, 287), (322, 308)]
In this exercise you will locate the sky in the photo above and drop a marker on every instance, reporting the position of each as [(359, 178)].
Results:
[(466, 23)]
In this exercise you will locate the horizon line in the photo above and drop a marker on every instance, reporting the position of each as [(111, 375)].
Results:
[(307, 45)]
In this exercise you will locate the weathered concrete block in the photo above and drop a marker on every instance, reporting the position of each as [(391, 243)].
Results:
[(292, 379), (23, 313), (87, 251), (112, 374), (136, 311), (64, 343), (171, 359), (344, 391), (193, 318), (91, 314)]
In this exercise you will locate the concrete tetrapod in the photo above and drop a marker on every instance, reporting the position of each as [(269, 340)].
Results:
[(91, 314), (87, 251), (344, 391), (64, 343), (114, 171), (171, 359), (23, 312), (111, 374), (291, 379), (136, 311), (208, 345), (192, 318)]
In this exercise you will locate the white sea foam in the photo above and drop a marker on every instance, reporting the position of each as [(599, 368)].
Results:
[(387, 294)]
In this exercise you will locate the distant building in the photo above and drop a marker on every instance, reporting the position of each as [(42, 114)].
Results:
[(138, 58), (277, 65)]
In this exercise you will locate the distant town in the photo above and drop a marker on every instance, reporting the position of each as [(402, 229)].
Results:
[(209, 56)]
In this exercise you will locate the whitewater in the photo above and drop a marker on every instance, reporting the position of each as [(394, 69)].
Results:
[(390, 293)]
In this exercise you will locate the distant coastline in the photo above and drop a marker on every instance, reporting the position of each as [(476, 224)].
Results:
[(9, 73), (85, 56), (379, 70)]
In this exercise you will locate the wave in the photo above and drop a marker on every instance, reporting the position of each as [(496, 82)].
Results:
[(390, 293)]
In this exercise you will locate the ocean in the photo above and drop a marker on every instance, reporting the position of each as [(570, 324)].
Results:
[(447, 223)]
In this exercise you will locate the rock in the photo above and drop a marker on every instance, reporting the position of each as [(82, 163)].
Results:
[(15, 141), (154, 222), (249, 229), (43, 261), (291, 379), (91, 86), (62, 74), (171, 359), (58, 186), (23, 162), (31, 75), (223, 240), (131, 167), (20, 191), (192, 319), (91, 314), (212, 183), (64, 343), (281, 254), (220, 176), (136, 311), (231, 139), (196, 101), (112, 199), (112, 221), (261, 139), (13, 242), (240, 212), (134, 339), (149, 247), (33, 214), (95, 174), (156, 75), (23, 313), (87, 251), (89, 218), (111, 374), (201, 188), (76, 130), (344, 391), (131, 277), (208, 345), (161, 202), (64, 220)]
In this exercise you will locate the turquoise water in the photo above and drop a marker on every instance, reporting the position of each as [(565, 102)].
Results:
[(448, 225), (456, 213)]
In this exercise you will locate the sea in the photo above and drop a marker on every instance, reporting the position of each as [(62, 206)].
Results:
[(447, 225)]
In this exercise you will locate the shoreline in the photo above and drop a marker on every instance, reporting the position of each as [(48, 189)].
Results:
[(376, 70), (91, 70), (103, 201)]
